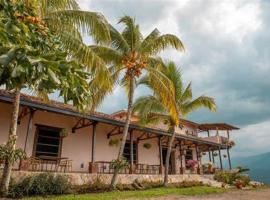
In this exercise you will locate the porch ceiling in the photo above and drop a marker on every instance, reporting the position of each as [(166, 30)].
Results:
[(54, 107)]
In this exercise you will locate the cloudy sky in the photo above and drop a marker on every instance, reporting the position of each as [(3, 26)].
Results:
[(227, 57)]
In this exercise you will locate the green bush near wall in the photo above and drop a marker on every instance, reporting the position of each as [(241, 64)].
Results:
[(41, 185), (230, 178)]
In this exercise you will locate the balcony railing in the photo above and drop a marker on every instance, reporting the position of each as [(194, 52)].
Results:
[(217, 139)]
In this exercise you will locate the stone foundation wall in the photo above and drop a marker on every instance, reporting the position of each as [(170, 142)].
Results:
[(86, 178)]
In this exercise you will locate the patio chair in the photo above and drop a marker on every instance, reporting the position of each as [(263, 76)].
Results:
[(64, 166)]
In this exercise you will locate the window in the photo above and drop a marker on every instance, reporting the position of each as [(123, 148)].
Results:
[(189, 155), (47, 142), (127, 152)]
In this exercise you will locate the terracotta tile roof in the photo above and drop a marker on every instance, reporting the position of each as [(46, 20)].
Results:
[(54, 103), (121, 113)]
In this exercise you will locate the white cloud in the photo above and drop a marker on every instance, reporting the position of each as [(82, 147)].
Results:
[(233, 20), (251, 140), (84, 4)]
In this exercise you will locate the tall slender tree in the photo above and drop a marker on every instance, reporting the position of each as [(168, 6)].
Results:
[(132, 54), (152, 110), (30, 57)]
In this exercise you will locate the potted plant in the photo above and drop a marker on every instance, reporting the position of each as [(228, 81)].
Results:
[(113, 142), (147, 145), (231, 143), (64, 132)]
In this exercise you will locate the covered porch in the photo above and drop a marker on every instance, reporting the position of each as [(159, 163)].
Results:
[(86, 146)]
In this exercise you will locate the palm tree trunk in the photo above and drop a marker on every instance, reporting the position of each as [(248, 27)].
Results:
[(12, 136), (166, 178), (125, 131)]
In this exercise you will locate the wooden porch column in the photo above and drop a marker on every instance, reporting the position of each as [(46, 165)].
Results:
[(229, 158), (181, 158), (220, 159), (29, 130), (92, 166), (29, 127), (213, 156), (197, 155), (228, 150), (161, 168), (209, 154), (131, 152)]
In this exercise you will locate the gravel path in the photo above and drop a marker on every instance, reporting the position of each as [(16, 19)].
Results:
[(261, 194)]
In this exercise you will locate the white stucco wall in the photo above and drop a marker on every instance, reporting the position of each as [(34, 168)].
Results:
[(76, 146)]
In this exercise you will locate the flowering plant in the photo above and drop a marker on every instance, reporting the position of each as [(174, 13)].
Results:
[(192, 164)]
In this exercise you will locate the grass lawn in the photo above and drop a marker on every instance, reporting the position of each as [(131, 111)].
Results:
[(156, 192)]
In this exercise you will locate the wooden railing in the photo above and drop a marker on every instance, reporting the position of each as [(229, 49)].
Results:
[(147, 169), (104, 167), (36, 164)]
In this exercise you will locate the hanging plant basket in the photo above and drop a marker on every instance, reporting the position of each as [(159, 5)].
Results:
[(224, 156), (114, 142), (215, 154), (64, 132), (203, 153), (147, 145)]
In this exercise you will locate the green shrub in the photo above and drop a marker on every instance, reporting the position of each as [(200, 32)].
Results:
[(40, 184), (186, 184), (225, 177), (96, 186), (230, 178), (124, 187), (244, 178)]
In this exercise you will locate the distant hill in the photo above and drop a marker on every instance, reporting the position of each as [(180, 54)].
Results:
[(259, 166)]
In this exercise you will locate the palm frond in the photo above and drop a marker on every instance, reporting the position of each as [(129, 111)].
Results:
[(107, 54), (149, 109), (152, 36), (174, 74), (163, 87), (161, 43), (47, 6), (92, 23), (202, 101), (131, 33), (186, 95), (86, 56), (118, 41)]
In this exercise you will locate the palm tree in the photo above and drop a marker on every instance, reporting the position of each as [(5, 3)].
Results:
[(132, 54), (151, 109)]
